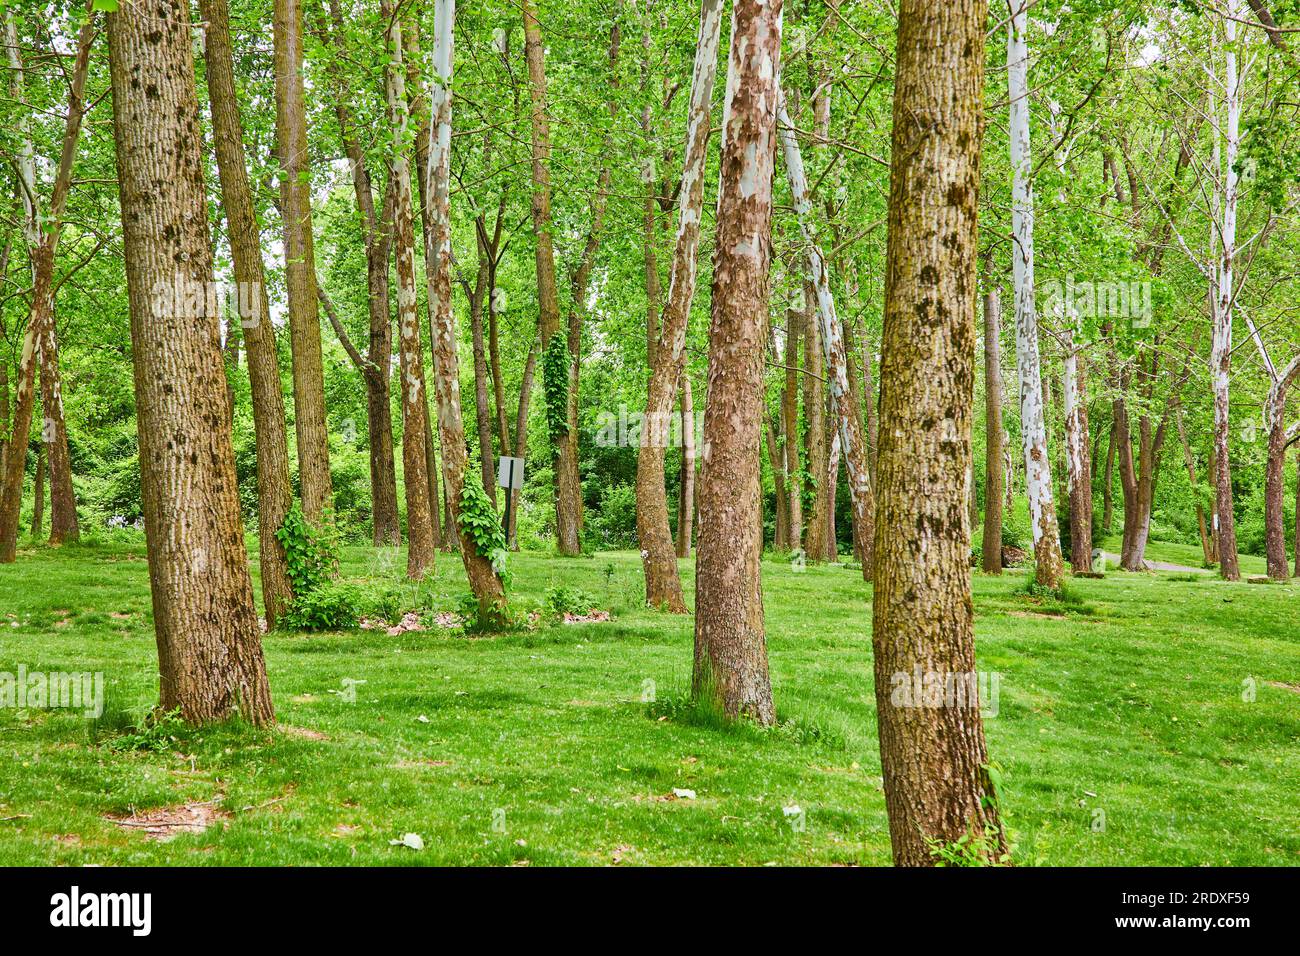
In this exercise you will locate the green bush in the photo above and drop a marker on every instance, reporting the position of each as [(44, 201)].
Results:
[(614, 524), (569, 600), (329, 607), (311, 559)]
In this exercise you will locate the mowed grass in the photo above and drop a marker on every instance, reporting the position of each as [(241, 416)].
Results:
[(1125, 730)]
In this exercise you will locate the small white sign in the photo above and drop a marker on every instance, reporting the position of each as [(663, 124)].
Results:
[(510, 472)]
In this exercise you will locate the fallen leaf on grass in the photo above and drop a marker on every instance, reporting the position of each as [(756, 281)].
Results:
[(412, 840)]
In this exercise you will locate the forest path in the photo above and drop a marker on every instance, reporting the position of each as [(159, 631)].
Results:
[(1156, 565)]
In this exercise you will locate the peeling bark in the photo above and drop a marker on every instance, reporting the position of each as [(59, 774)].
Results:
[(993, 478), (658, 559), (730, 666), (484, 580), (1038, 471), (1078, 455), (847, 414), (40, 345)]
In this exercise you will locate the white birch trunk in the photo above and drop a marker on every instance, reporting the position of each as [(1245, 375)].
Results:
[(1038, 475), (849, 428), (482, 570), (1221, 344)]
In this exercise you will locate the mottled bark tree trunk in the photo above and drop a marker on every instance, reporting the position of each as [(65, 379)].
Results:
[(54, 436), (1108, 495), (484, 579), (421, 549), (274, 493), (568, 490), (1225, 294), (38, 493), (933, 759), (815, 443), (1038, 472), (40, 343), (844, 407), (730, 666), (993, 450), (1207, 544), (658, 558), (386, 524), (482, 407), (686, 481), (1296, 545), (776, 460), (300, 264), (1078, 453), (794, 322), (209, 646), (1274, 473)]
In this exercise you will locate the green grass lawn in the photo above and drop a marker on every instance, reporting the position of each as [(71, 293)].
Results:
[(1122, 732)]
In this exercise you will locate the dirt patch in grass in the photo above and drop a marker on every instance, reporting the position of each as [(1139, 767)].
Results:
[(303, 732), (166, 823)]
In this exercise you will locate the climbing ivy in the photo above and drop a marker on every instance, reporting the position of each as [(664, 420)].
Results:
[(555, 386), (478, 519)]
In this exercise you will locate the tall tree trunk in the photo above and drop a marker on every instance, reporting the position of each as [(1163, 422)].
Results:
[(1078, 452), (482, 408), (421, 549), (844, 408), (521, 440), (417, 103), (374, 367), (42, 234), (993, 449), (63, 503), (658, 559), (794, 322), (776, 460), (484, 579), (300, 264), (1108, 495), (816, 446), (1207, 543), (686, 481), (1296, 545), (730, 667), (1224, 296), (933, 759), (871, 402), (1274, 473), (274, 493), (4, 410), (38, 497), (567, 489), (1038, 471), (209, 647)]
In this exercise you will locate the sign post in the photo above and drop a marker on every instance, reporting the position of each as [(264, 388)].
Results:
[(510, 476)]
